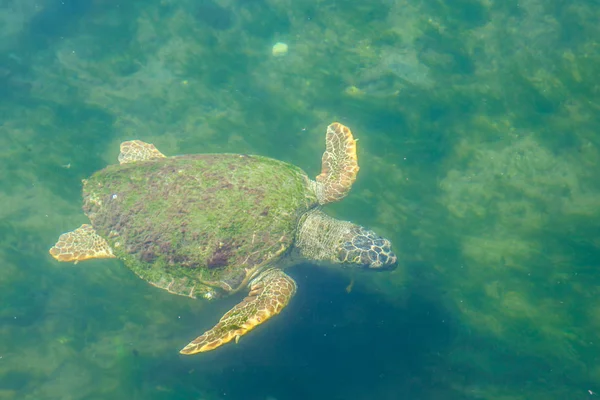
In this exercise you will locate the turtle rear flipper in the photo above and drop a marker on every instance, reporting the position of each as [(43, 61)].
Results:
[(136, 150), (81, 244), (339, 164), (267, 297)]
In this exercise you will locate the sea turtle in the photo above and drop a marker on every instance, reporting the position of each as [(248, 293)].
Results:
[(209, 225)]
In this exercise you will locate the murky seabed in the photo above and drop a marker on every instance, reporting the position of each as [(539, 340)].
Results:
[(478, 146)]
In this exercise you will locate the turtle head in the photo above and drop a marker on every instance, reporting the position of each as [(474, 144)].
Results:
[(364, 248), (327, 241)]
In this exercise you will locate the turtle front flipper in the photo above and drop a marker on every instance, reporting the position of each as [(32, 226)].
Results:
[(339, 164), (269, 294), (81, 244), (136, 150)]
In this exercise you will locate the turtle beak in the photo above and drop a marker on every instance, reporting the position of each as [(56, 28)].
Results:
[(387, 263), (381, 255)]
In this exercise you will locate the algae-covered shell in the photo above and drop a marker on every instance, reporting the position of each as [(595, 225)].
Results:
[(184, 220)]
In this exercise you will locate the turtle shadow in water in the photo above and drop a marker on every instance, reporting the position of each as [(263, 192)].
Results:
[(327, 344)]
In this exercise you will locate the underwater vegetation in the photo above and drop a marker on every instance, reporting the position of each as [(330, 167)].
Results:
[(479, 152)]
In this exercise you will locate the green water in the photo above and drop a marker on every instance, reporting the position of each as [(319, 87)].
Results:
[(479, 149)]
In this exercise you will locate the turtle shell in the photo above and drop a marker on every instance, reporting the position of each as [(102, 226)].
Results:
[(180, 222)]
